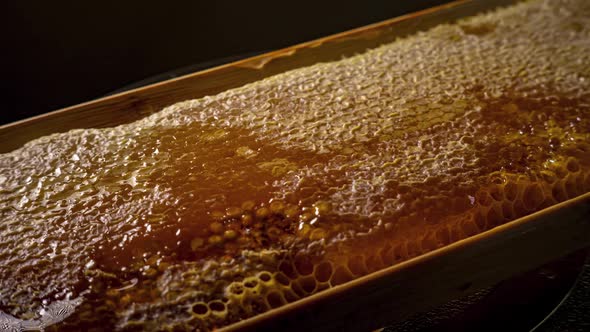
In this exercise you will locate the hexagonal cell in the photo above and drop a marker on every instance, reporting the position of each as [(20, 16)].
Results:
[(217, 307), (230, 205), (303, 264), (308, 284), (275, 299), (200, 308), (341, 275), (532, 197), (323, 271)]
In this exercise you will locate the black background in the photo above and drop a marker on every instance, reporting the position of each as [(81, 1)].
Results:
[(59, 53)]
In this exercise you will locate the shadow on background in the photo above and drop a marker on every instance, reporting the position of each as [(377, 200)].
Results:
[(60, 53)]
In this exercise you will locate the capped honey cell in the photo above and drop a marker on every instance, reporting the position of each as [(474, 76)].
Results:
[(217, 209)]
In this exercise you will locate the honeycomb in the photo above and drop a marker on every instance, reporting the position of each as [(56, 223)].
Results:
[(218, 209)]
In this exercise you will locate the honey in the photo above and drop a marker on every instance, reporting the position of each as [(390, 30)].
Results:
[(218, 209)]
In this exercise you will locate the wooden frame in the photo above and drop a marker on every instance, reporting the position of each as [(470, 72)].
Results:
[(393, 293), (135, 104)]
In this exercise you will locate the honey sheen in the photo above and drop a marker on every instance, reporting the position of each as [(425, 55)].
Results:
[(218, 209)]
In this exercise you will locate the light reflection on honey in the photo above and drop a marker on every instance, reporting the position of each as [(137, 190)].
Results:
[(217, 209)]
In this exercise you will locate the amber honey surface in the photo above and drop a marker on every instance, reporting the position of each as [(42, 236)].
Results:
[(217, 209)]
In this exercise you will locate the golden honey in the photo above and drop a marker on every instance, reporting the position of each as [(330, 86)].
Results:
[(218, 209)]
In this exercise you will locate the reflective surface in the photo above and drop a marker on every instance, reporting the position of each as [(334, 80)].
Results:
[(217, 209), (526, 302)]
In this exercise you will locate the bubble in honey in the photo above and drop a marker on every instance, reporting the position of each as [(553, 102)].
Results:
[(217, 209)]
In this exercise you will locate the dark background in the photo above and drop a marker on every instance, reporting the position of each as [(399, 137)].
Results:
[(59, 53)]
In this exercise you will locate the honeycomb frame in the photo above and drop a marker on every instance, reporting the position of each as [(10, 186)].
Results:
[(335, 174)]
